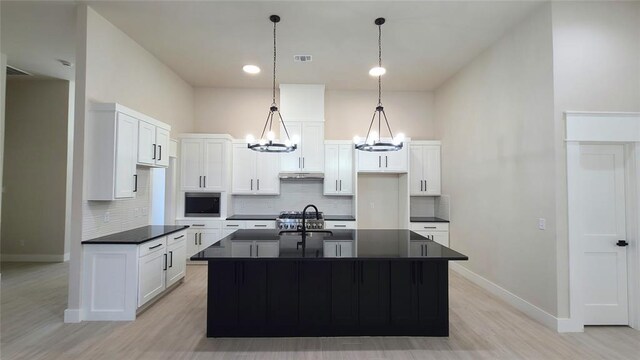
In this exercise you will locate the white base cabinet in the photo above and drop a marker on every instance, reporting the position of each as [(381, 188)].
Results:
[(255, 249), (340, 225), (438, 232), (200, 235)]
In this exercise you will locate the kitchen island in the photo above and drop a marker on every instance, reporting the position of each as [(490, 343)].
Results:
[(340, 283)]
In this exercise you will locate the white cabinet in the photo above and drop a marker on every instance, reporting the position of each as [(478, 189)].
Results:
[(203, 164), (424, 169), (177, 257), (383, 161), (200, 235), (151, 273), (340, 225), (309, 156), (438, 232), (338, 169), (338, 248), (255, 249), (254, 173), (125, 165), (153, 145), (162, 146)]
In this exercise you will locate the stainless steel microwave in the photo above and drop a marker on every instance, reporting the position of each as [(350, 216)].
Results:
[(202, 205)]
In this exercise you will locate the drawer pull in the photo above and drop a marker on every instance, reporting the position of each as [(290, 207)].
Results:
[(232, 225), (429, 227), (339, 226), (155, 247), (179, 237), (259, 225), (199, 225)]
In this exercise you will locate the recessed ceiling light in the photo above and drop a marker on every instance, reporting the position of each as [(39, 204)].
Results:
[(377, 71), (251, 69)]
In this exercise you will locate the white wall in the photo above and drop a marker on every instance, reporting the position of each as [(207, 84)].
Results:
[(35, 164), (596, 54), (495, 118), (379, 209), (347, 113), (3, 80)]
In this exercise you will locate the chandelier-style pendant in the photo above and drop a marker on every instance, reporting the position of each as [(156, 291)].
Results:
[(268, 144), (373, 141)]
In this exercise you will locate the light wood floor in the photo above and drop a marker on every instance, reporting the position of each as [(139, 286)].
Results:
[(33, 298)]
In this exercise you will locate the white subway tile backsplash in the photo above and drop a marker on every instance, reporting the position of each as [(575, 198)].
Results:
[(422, 206)]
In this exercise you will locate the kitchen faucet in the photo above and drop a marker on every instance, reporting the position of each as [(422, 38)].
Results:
[(303, 230)]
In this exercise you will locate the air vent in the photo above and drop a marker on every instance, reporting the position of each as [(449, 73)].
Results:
[(302, 58), (15, 71)]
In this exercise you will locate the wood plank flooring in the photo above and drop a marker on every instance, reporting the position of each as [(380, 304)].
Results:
[(33, 298)]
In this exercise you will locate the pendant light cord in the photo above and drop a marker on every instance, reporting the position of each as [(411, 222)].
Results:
[(274, 65), (379, 64)]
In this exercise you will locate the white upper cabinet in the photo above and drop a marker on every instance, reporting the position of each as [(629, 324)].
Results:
[(153, 145), (125, 164), (203, 163), (338, 175), (162, 146), (383, 161), (254, 173), (424, 179), (309, 157)]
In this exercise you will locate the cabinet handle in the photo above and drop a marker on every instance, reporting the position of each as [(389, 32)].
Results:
[(232, 225), (421, 249), (299, 163), (170, 259), (165, 262), (336, 249), (204, 181), (154, 152), (421, 185), (303, 162), (259, 225), (339, 225), (386, 161), (425, 185), (429, 227), (135, 182), (340, 248), (258, 181), (257, 250), (155, 247), (179, 237), (200, 181), (379, 161), (195, 239), (159, 152), (251, 184), (250, 252), (336, 185), (202, 225), (340, 185)]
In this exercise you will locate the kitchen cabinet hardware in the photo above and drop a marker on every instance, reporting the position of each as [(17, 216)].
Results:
[(232, 225), (155, 246), (170, 259), (251, 184), (339, 225), (258, 181), (154, 152), (257, 250), (204, 181), (336, 185), (250, 250), (179, 237), (198, 225), (622, 243), (159, 152), (135, 182), (379, 161), (165, 262), (340, 185), (386, 161), (260, 225), (430, 227)]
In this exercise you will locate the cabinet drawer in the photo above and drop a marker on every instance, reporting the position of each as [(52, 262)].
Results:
[(260, 225), (176, 237), (340, 225), (200, 224), (153, 246), (429, 226), (231, 224)]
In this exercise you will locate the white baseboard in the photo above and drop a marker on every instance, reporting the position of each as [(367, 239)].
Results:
[(34, 257), (72, 316), (512, 299)]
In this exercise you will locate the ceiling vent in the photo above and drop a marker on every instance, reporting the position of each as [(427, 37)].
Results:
[(302, 58), (15, 71)]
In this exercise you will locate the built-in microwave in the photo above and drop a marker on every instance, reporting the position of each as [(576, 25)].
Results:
[(202, 205)]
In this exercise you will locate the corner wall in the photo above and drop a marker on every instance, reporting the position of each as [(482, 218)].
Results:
[(494, 119)]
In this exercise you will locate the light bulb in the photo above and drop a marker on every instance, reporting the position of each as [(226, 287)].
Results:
[(295, 139), (398, 139), (377, 71), (371, 141), (356, 139), (250, 139), (375, 136), (262, 142), (251, 69), (271, 135), (287, 143)]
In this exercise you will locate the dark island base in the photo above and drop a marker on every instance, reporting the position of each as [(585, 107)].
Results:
[(262, 298)]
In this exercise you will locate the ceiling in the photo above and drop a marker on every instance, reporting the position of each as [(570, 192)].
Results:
[(207, 43)]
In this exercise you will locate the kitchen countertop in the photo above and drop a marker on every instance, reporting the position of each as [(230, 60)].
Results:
[(273, 217), (395, 244), (418, 219), (137, 236)]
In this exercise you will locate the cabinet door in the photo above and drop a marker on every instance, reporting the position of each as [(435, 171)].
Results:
[(282, 296), (404, 295), (432, 279), (416, 178), (267, 171), (222, 297), (213, 166), (346, 249), (252, 296), (193, 240), (209, 237), (146, 143), (395, 161), (244, 170), (432, 170), (292, 161), (266, 249), (191, 164), (331, 169), (315, 294), (369, 161), (344, 294), (177, 262), (313, 146), (227, 232), (126, 156), (330, 248), (162, 147), (242, 249), (345, 169), (151, 276), (373, 299)]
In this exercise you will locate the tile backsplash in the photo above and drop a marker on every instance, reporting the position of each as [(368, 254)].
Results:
[(422, 206), (294, 196), (107, 217)]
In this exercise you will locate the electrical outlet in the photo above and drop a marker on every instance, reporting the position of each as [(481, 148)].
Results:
[(372, 204), (542, 224), (145, 210), (107, 217), (136, 212)]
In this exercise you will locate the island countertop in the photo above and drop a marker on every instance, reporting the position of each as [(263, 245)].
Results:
[(394, 244), (137, 236)]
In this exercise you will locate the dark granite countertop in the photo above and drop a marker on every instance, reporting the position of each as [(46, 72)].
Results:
[(427, 219), (358, 244), (273, 217), (137, 236)]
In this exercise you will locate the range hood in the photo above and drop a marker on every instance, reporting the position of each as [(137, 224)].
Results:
[(301, 176)]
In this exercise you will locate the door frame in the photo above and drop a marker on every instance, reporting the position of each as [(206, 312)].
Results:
[(600, 128)]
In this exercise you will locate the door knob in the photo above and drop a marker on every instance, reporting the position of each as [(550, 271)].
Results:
[(622, 243)]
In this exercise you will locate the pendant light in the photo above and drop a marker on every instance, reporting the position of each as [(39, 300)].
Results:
[(373, 140), (268, 144)]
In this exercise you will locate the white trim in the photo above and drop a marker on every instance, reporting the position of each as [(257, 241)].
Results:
[(35, 257), (72, 316), (603, 127), (568, 325), (632, 156), (125, 110), (512, 299), (206, 136), (575, 248)]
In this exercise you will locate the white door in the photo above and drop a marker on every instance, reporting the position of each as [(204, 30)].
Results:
[(345, 183), (191, 164), (313, 146), (151, 276), (331, 169), (345, 249), (162, 147), (292, 161), (416, 164), (126, 156), (243, 170), (267, 170), (177, 258), (602, 225), (213, 170), (432, 169), (146, 143)]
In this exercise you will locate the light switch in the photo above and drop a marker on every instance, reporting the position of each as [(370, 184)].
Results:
[(107, 217), (542, 224)]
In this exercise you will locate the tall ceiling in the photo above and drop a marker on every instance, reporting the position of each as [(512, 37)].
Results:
[(207, 43)]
